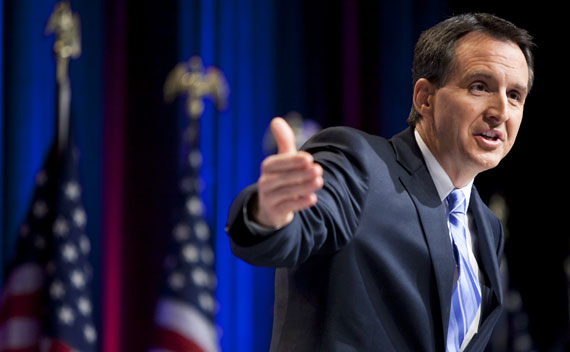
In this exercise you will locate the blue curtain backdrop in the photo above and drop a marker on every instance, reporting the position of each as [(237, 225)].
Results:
[(338, 62), (30, 97)]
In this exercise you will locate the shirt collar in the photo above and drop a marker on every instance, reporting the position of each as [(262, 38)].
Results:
[(440, 178)]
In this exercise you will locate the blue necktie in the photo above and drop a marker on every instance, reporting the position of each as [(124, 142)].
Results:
[(466, 295)]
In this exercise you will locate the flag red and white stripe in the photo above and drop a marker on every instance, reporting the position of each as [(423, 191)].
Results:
[(20, 324), (180, 327), (45, 304)]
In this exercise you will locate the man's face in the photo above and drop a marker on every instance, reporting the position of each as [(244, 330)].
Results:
[(477, 113)]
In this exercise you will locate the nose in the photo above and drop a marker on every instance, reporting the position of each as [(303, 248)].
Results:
[(498, 111)]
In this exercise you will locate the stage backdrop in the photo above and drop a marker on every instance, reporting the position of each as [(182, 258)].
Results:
[(339, 62)]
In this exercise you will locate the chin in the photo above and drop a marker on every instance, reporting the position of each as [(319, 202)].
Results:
[(486, 159), (488, 162)]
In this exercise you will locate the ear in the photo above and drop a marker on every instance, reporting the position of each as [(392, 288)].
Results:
[(423, 96)]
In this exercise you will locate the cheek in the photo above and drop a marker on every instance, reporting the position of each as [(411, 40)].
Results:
[(446, 115), (513, 126), (453, 116), (462, 113)]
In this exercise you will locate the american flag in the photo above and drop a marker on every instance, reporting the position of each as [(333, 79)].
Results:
[(46, 300), (184, 317)]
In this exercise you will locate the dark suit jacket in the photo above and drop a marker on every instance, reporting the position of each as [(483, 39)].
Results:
[(370, 267)]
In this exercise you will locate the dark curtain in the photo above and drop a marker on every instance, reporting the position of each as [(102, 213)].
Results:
[(337, 62)]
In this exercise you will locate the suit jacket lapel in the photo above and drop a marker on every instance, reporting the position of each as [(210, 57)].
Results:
[(488, 263), (487, 248), (431, 210)]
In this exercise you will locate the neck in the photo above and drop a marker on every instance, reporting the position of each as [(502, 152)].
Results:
[(460, 175)]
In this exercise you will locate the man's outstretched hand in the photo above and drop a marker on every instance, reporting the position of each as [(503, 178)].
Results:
[(288, 180)]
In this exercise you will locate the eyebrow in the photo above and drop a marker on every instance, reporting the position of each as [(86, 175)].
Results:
[(478, 74)]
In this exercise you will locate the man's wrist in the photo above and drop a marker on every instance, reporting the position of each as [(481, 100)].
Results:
[(254, 226)]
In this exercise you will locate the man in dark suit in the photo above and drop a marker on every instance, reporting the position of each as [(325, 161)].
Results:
[(362, 229)]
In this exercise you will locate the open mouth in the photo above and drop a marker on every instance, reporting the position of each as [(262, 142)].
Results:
[(491, 135)]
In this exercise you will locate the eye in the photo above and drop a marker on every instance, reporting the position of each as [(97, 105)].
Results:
[(478, 87), (514, 95)]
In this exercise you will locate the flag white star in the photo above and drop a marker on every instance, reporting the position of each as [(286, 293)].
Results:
[(84, 305), (69, 252), (77, 279), (190, 253), (202, 230), (176, 281), (57, 290), (195, 158), (72, 190), (79, 217), (200, 277), (65, 315), (60, 227), (90, 333), (194, 206)]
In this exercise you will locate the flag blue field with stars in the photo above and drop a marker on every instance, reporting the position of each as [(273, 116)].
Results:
[(184, 318), (46, 300)]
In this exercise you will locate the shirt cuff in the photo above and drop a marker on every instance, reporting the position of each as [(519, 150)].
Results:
[(254, 227)]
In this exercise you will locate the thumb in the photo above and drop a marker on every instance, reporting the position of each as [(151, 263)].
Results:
[(284, 136)]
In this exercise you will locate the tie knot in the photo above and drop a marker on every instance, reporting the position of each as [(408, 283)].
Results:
[(456, 202)]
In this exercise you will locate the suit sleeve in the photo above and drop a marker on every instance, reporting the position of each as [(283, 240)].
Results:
[(323, 228)]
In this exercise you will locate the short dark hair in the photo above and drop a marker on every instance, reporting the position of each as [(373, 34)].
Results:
[(434, 52)]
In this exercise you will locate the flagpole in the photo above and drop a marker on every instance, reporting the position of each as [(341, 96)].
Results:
[(66, 26)]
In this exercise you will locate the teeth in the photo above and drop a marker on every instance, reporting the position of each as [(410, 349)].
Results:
[(489, 134)]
